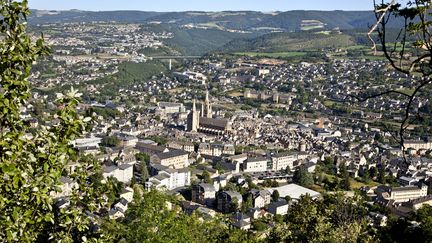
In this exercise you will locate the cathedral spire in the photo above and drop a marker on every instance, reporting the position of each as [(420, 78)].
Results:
[(207, 110), (194, 106)]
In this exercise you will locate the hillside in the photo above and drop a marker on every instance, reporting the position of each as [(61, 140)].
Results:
[(280, 42), (230, 20), (201, 41)]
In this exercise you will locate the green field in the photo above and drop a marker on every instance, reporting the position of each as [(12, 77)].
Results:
[(272, 54)]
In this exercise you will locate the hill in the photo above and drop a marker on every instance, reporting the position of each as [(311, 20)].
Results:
[(281, 42), (228, 20)]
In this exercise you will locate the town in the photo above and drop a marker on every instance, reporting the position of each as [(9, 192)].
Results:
[(189, 123), (240, 136)]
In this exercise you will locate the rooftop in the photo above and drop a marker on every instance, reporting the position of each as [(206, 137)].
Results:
[(294, 191)]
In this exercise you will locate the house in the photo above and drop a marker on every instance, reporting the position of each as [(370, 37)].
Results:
[(378, 219), (278, 208), (123, 173), (66, 188), (260, 198), (181, 145), (119, 209), (127, 193), (241, 221), (226, 198), (204, 194), (256, 213)]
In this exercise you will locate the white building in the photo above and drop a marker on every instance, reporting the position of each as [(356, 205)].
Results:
[(123, 173), (255, 164), (278, 208), (283, 160), (169, 179)]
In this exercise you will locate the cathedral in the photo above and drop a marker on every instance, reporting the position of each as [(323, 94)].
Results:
[(204, 122)]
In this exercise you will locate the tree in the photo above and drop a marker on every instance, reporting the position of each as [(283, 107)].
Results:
[(234, 205), (206, 177), (366, 175), (32, 166), (247, 204), (409, 53), (110, 141), (288, 170), (331, 219), (303, 177), (373, 172), (149, 219), (346, 183), (275, 196), (381, 174)]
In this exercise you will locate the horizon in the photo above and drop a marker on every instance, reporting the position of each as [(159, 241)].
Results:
[(203, 6), (203, 11)]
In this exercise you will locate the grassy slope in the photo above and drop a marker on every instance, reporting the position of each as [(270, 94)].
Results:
[(290, 42)]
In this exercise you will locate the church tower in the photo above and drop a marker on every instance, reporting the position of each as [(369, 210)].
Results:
[(206, 107), (193, 119)]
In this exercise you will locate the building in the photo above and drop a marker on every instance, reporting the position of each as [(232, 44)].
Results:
[(407, 181), (205, 123), (206, 108), (66, 188), (216, 149), (257, 164), (418, 145), (182, 145), (123, 173), (283, 160), (294, 191), (150, 149), (174, 158), (193, 120), (405, 194), (171, 108), (260, 198), (87, 142), (416, 204), (278, 208), (127, 140), (204, 194), (226, 198), (167, 178), (241, 221)]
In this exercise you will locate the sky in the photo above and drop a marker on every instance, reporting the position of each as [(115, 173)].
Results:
[(201, 5)]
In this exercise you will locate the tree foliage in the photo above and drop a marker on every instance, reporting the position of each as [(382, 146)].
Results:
[(303, 177), (149, 219), (32, 165), (331, 219)]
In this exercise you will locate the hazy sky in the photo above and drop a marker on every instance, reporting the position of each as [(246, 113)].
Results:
[(202, 5)]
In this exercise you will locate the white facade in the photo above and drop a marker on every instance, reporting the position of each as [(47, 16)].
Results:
[(282, 162), (255, 165), (123, 173), (169, 179)]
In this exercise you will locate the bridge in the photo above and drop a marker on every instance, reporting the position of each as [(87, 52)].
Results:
[(174, 57), (170, 58)]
